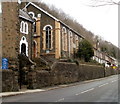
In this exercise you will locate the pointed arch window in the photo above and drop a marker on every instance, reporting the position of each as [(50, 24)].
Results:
[(77, 43), (47, 37), (71, 42), (64, 39)]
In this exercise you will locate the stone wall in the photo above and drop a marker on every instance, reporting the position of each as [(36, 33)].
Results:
[(10, 33), (9, 80), (88, 72), (38, 79), (63, 73), (110, 71)]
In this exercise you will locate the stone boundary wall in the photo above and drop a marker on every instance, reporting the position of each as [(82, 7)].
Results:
[(63, 73), (9, 80)]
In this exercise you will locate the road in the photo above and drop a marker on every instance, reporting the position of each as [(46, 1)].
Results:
[(100, 90)]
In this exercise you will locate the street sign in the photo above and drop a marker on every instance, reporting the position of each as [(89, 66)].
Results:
[(4, 63)]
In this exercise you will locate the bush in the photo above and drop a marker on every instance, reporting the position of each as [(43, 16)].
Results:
[(85, 51)]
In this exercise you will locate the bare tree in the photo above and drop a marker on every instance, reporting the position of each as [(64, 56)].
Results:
[(98, 3)]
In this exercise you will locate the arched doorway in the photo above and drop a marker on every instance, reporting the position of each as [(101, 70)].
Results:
[(23, 49), (22, 79), (24, 46)]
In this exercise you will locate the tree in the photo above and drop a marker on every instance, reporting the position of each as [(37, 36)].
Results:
[(85, 50), (98, 3)]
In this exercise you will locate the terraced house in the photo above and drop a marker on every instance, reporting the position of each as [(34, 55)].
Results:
[(103, 57)]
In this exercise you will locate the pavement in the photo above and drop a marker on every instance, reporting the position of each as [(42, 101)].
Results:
[(7, 94)]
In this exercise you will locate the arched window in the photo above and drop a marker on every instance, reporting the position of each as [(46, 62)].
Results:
[(77, 43), (32, 14), (64, 39), (24, 27), (71, 42), (47, 38)]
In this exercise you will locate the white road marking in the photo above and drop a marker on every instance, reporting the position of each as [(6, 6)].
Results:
[(73, 86), (103, 84), (114, 81), (87, 90), (77, 94), (60, 100)]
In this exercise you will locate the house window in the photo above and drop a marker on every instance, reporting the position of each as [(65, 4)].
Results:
[(24, 27), (47, 38), (64, 39)]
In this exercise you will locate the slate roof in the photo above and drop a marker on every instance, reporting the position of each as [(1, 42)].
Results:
[(25, 15)]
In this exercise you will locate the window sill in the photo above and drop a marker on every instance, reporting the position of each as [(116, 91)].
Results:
[(48, 53)]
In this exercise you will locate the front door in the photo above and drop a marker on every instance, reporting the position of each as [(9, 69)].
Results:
[(23, 49)]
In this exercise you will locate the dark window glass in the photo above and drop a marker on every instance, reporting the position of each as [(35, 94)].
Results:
[(34, 26), (48, 37)]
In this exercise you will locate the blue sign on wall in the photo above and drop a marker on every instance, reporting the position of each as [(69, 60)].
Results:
[(4, 63)]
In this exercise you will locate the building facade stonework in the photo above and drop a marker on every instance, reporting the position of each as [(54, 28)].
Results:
[(10, 33)]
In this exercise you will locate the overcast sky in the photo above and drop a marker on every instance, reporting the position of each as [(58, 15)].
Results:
[(0, 8), (102, 21)]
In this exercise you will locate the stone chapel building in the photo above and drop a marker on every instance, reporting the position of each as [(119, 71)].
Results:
[(52, 37), (31, 31)]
